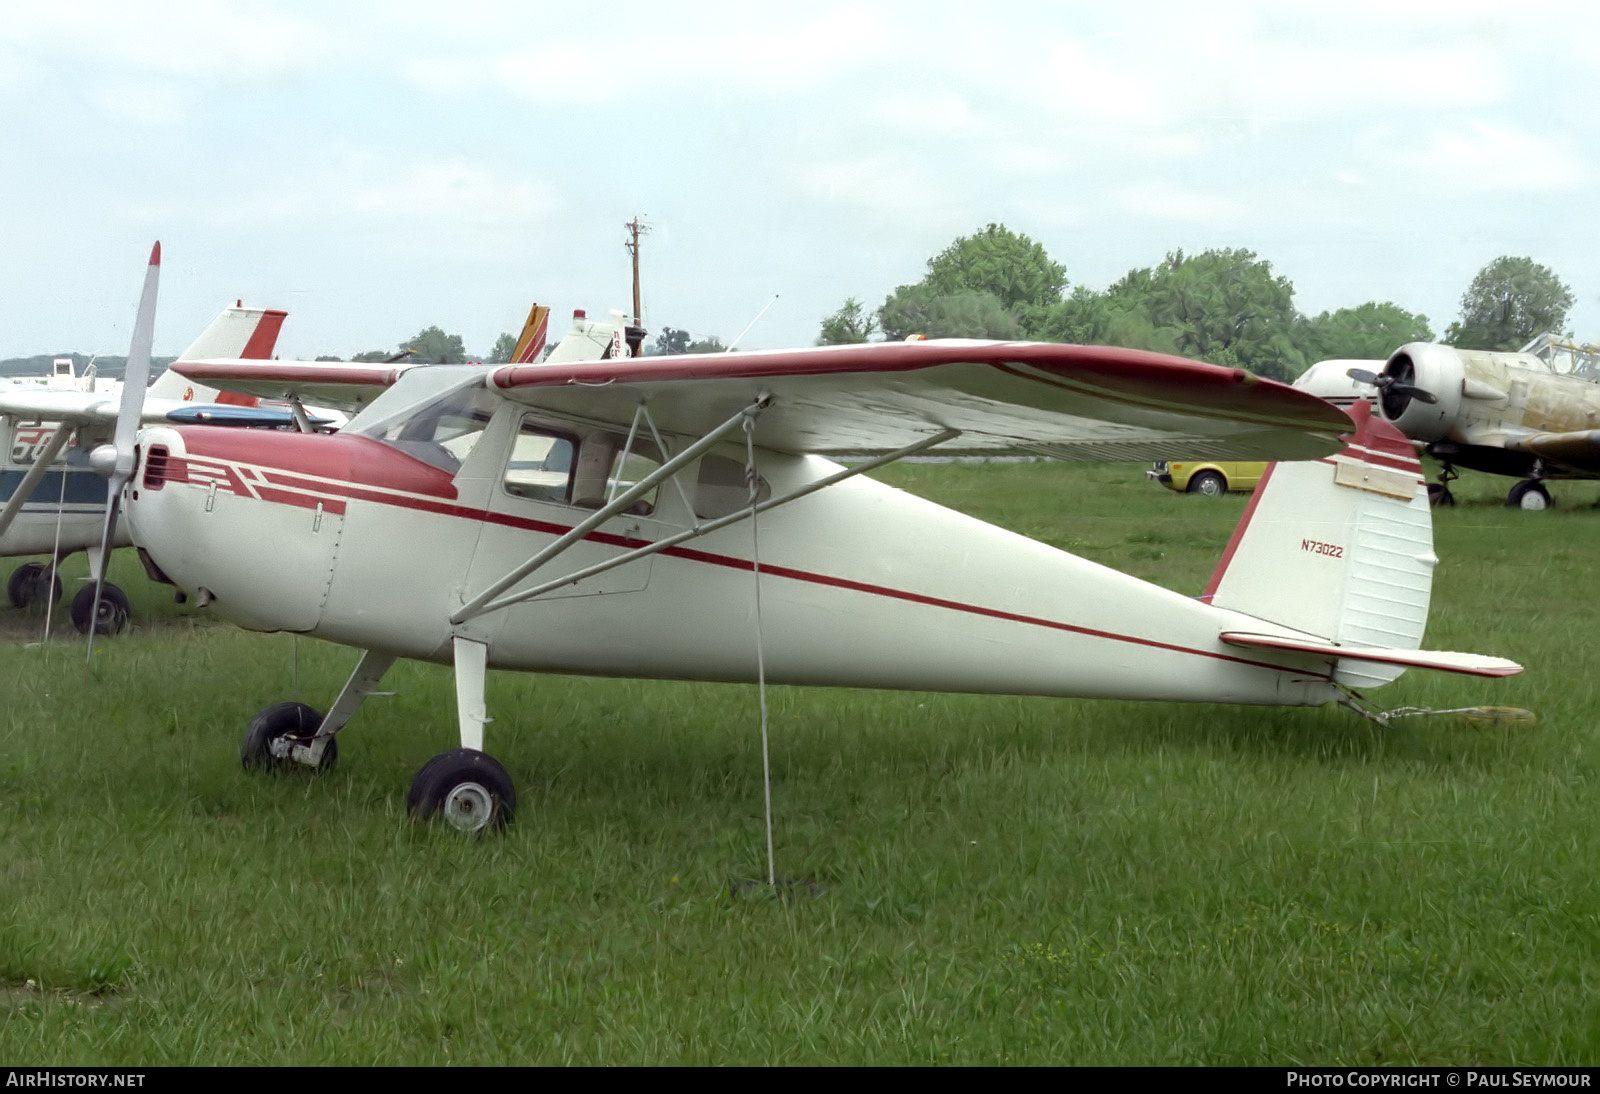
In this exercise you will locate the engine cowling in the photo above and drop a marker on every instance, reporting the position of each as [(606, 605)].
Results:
[(1435, 369)]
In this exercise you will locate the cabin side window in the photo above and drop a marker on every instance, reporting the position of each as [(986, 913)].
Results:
[(605, 471), (541, 465)]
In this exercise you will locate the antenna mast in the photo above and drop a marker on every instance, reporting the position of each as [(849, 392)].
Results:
[(636, 333)]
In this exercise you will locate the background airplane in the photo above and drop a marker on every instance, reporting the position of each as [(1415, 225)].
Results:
[(1505, 413)]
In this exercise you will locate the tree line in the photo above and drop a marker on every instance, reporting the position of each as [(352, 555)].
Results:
[(1225, 306)]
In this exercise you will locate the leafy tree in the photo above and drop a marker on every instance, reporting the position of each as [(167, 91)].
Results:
[(1509, 303), (1372, 331), (709, 344), (1100, 319), (504, 347), (436, 347), (671, 340), (918, 309), (328, 357), (374, 355), (999, 261), (1223, 306), (851, 323)]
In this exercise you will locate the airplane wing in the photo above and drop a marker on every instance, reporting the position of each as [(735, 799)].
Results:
[(1061, 401), (340, 385), (1579, 450)]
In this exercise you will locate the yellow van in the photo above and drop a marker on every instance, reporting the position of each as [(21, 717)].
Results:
[(1212, 478)]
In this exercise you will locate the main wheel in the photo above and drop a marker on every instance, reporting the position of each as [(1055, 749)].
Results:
[(469, 789), (1528, 494), (113, 609), (1209, 483), (28, 583), (291, 723)]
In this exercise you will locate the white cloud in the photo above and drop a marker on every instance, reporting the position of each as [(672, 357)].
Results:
[(1478, 156), (1162, 200)]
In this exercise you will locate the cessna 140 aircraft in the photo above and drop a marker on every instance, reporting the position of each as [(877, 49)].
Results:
[(677, 517), (54, 503), (1505, 413)]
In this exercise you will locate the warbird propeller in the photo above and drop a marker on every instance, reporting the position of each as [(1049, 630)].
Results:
[(680, 517)]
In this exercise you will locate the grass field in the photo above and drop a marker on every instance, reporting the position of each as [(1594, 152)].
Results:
[(971, 880)]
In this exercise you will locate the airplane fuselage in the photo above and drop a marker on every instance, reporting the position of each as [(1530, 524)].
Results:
[(352, 540)]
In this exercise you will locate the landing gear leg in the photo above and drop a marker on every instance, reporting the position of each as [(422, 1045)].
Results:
[(1439, 492), (286, 734), (466, 787), (112, 615)]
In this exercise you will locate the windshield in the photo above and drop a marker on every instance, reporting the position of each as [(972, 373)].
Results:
[(438, 429)]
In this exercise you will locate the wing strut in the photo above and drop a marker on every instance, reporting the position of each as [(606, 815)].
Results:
[(483, 603)]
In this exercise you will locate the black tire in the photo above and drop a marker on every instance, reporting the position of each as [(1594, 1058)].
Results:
[(1439, 495), (113, 609), (27, 584), (293, 721), (1209, 483), (1528, 494), (469, 789)]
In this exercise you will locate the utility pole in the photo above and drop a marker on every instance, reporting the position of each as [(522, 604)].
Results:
[(636, 333)]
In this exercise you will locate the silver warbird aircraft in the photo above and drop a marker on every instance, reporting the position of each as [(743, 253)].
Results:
[(1504, 413)]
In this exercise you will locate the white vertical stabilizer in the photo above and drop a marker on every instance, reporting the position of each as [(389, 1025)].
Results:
[(238, 332), (1340, 548)]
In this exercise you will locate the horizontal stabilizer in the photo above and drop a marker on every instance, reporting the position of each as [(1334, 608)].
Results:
[(1472, 664)]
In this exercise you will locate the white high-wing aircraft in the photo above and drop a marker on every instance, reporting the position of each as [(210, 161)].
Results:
[(55, 504), (677, 517)]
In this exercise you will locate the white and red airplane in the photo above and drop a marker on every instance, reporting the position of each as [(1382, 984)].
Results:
[(679, 517), (52, 502)]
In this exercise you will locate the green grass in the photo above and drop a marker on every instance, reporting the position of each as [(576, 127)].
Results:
[(970, 880)]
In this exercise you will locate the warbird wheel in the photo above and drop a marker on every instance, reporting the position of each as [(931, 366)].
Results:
[(113, 615), (1528, 494), (1209, 483), (276, 730), (28, 584), (469, 789)]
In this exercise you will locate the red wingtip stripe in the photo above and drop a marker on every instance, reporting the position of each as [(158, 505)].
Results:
[(155, 254)]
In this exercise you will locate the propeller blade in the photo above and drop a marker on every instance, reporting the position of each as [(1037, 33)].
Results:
[(134, 381), (1416, 393), (1363, 376)]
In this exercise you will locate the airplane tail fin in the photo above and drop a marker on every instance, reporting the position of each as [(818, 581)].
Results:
[(534, 333), (590, 340), (1340, 548), (250, 333)]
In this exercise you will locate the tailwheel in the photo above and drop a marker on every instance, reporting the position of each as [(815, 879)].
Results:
[(1439, 494), (469, 789), (30, 582), (1528, 494), (113, 612), (269, 742)]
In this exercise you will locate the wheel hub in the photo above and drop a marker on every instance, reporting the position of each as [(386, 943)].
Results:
[(468, 807)]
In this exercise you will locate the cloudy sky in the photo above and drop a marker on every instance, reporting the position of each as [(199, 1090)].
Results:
[(378, 167)]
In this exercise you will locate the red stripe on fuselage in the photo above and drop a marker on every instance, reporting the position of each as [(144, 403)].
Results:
[(325, 470)]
